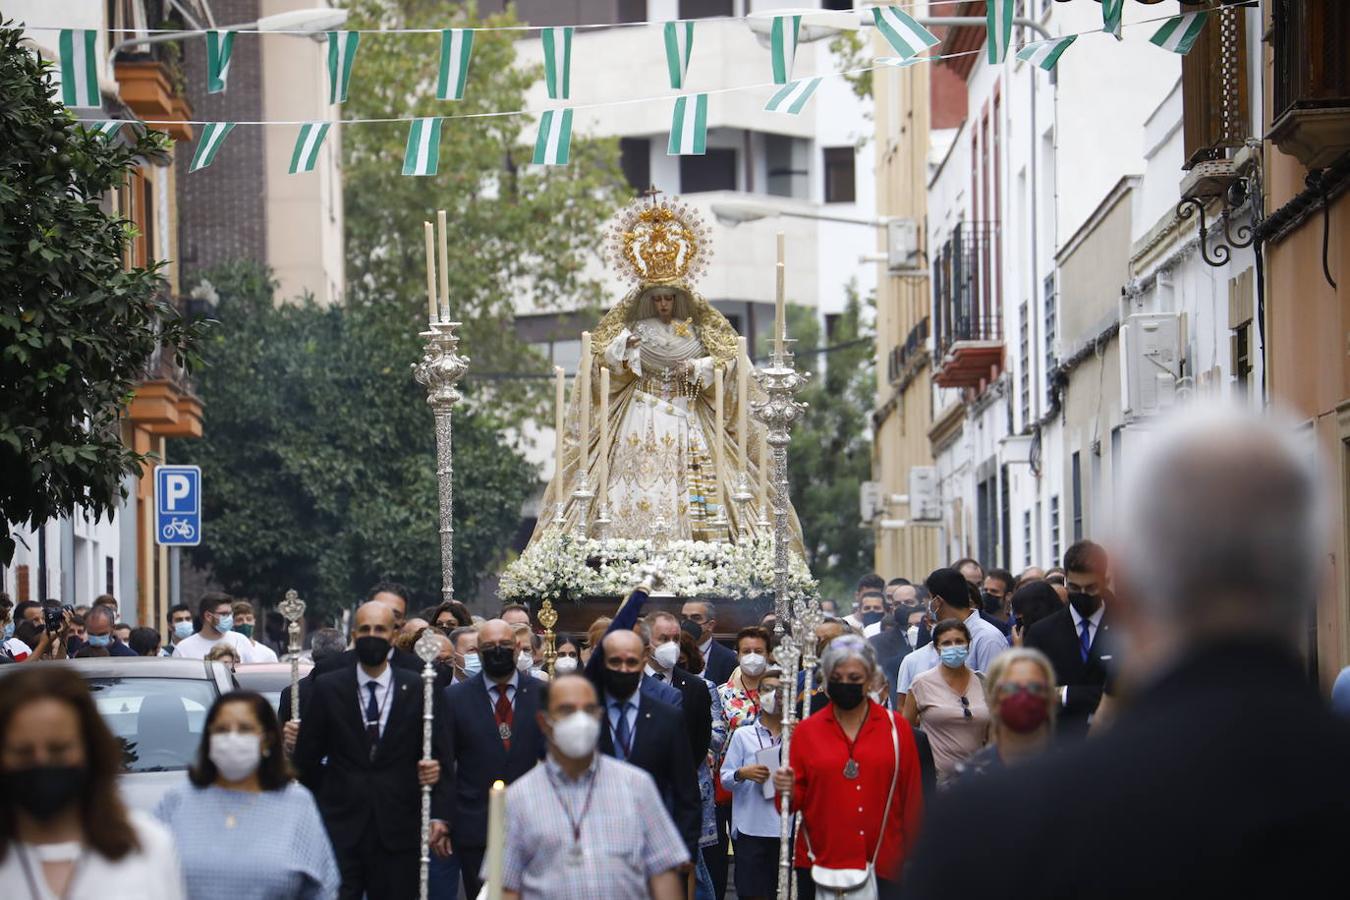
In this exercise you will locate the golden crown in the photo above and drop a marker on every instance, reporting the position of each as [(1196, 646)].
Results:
[(659, 242)]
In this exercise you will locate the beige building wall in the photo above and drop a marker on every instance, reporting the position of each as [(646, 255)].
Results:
[(904, 410), (304, 212)]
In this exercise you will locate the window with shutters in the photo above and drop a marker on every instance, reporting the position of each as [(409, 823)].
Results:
[(1311, 79), (1214, 88)]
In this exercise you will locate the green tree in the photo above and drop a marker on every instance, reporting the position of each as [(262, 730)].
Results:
[(320, 455), (77, 329), (830, 455)]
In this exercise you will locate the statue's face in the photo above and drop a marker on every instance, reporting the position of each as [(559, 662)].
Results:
[(664, 304)]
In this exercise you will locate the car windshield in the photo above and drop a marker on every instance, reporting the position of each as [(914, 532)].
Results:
[(158, 721)]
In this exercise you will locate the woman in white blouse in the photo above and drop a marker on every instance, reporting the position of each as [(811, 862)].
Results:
[(64, 832)]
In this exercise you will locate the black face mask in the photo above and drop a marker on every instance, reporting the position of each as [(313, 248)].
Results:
[(372, 650), (1084, 604), (990, 603), (44, 791), (498, 662), (872, 618), (844, 694), (621, 685)]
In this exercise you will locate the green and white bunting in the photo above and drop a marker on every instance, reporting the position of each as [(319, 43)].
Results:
[(1112, 11), (341, 54), (79, 69), (307, 144), (1044, 54), (558, 62), (1179, 34), (902, 32), (456, 49), (679, 45), (689, 126), (108, 128), (219, 47), (783, 46), (998, 19), (791, 98), (208, 145), (423, 154), (553, 146)]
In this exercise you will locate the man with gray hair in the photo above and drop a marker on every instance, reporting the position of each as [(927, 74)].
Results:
[(1222, 775)]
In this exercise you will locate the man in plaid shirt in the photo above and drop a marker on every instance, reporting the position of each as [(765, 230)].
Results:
[(581, 825)]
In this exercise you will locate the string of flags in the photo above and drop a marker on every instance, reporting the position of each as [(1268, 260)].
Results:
[(689, 120)]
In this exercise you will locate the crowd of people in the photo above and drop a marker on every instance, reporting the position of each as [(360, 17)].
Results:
[(1090, 723)]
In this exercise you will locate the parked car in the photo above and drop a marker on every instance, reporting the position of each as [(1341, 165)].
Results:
[(156, 707), (269, 679)]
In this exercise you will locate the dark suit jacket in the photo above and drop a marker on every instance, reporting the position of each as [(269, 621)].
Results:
[(1225, 778), (661, 749), (697, 707), (719, 665), (892, 647), (659, 690), (306, 691), (401, 659), (1056, 637), (474, 744), (354, 792)]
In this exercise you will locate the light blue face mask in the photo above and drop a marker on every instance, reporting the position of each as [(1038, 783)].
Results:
[(472, 664), (182, 630), (99, 640), (954, 657), (226, 623)]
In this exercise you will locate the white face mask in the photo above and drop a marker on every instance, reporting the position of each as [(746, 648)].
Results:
[(575, 735), (877, 697), (768, 702), (913, 634), (753, 664), (524, 661), (564, 665), (235, 754), (666, 655)]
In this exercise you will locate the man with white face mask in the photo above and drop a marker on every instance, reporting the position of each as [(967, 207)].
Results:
[(662, 654), (574, 821)]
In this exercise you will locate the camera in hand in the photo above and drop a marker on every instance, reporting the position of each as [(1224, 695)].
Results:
[(54, 616)]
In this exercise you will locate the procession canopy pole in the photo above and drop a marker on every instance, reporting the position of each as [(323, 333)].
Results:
[(292, 610), (427, 649)]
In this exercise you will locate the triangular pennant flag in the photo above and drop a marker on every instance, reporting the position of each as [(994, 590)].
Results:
[(998, 18), (219, 46), (791, 98), (79, 69), (783, 46), (208, 145), (423, 154), (341, 55), (689, 126), (1044, 54), (553, 146), (1111, 16), (307, 144), (1179, 34), (108, 128), (456, 49), (679, 45), (902, 32), (558, 62)]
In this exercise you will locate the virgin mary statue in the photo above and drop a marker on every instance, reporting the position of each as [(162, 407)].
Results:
[(672, 467)]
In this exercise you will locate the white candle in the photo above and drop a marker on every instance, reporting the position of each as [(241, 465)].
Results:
[(558, 408), (445, 268), (718, 418), (604, 435), (431, 274), (779, 305), (584, 404), (496, 840), (764, 470), (743, 401)]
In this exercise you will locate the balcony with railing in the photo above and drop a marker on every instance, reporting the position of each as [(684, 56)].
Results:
[(165, 401), (967, 322), (1311, 79), (150, 78), (905, 357)]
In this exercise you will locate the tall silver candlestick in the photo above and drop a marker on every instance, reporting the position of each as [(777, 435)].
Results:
[(439, 371), (427, 649), (292, 609)]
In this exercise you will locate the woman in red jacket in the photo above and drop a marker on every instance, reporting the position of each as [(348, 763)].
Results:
[(852, 749)]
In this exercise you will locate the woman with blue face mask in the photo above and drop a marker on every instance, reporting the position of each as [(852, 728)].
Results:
[(948, 702)]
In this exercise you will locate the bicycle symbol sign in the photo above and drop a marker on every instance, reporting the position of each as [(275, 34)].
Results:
[(178, 506)]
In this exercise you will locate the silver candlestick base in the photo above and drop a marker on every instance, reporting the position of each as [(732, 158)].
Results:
[(742, 492)]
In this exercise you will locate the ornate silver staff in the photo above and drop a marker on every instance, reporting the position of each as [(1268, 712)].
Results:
[(292, 609), (427, 648), (440, 369), (786, 653)]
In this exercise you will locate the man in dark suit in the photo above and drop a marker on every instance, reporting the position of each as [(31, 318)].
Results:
[(326, 644), (663, 630), (362, 733), (491, 733), (1077, 637), (648, 733), (718, 661), (1223, 773)]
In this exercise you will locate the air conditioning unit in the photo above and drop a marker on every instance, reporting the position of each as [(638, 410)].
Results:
[(902, 245), (1150, 359), (925, 500), (869, 500)]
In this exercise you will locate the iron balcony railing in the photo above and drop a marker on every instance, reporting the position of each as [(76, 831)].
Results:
[(966, 287)]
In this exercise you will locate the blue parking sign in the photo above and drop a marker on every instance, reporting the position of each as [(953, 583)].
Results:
[(178, 506)]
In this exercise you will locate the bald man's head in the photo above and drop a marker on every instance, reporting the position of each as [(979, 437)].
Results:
[(374, 618)]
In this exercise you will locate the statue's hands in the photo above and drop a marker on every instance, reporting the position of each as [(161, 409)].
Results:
[(633, 341)]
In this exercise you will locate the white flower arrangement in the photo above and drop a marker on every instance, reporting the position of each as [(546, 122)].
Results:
[(562, 566)]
